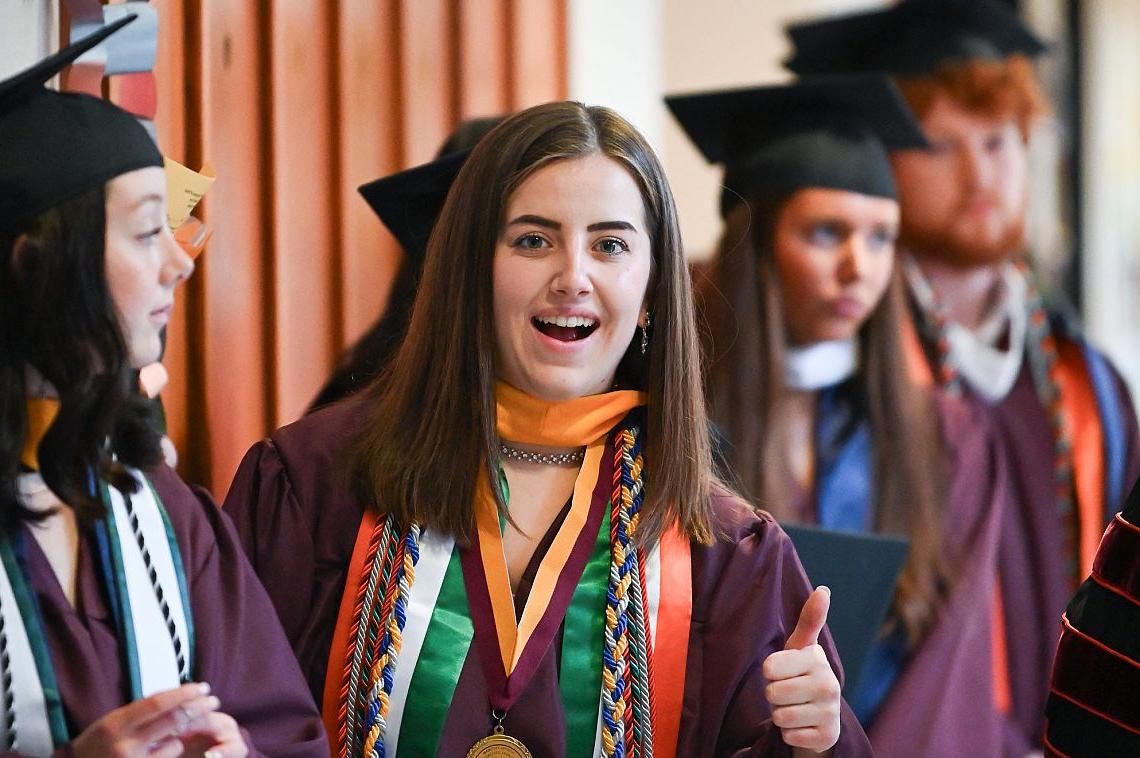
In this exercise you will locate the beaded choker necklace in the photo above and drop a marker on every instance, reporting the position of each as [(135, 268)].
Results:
[(1041, 352), (573, 458)]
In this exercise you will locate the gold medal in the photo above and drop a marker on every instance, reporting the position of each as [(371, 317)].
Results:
[(498, 745)]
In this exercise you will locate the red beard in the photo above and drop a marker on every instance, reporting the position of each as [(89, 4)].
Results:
[(946, 246)]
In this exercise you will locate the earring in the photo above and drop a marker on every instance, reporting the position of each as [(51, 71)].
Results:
[(645, 334)]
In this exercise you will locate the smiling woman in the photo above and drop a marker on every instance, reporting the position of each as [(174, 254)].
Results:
[(522, 510), (568, 270)]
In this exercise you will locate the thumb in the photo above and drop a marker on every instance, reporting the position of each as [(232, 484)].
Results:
[(812, 618)]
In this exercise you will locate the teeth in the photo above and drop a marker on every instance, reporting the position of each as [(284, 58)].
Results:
[(566, 321)]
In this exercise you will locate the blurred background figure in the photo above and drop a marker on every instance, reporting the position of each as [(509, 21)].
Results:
[(804, 306), (407, 203), (1059, 407)]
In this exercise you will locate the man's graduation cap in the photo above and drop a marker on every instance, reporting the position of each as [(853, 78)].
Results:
[(410, 201), (832, 132), (911, 38), (54, 146), (861, 570)]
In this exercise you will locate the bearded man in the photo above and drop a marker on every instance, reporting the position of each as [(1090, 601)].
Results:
[(1059, 407)]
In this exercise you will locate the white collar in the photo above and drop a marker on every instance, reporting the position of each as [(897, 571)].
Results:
[(820, 365), (974, 353)]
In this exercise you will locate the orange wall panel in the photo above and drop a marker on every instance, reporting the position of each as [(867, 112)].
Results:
[(484, 74), (369, 144), (538, 45), (426, 77), (234, 324), (304, 316)]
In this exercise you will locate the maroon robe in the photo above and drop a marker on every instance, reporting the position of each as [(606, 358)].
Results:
[(298, 524), (942, 703), (239, 648), (1035, 583)]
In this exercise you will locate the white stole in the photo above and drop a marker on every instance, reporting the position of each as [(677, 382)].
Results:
[(973, 353), (157, 667)]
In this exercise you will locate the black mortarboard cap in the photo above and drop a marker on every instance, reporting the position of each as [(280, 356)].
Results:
[(410, 201), (832, 132), (55, 145), (911, 38), (861, 570)]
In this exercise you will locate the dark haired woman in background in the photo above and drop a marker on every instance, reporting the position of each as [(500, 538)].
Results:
[(807, 380), (408, 203), (514, 540), (130, 622)]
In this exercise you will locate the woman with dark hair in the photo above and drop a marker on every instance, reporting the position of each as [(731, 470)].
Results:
[(514, 540), (805, 314), (130, 622)]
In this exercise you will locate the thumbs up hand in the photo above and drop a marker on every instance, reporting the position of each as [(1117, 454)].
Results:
[(802, 689)]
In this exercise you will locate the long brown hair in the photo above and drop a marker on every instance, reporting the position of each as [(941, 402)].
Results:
[(743, 329), (431, 421)]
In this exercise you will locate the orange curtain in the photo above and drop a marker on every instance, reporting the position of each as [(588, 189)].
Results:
[(296, 104)]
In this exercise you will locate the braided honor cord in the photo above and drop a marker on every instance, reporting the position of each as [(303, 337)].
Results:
[(383, 671), (381, 607), (159, 592), (9, 703), (1042, 355), (627, 727)]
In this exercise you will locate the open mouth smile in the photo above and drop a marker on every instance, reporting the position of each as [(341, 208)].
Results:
[(565, 328)]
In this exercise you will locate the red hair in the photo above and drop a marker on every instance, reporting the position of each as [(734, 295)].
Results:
[(998, 89)]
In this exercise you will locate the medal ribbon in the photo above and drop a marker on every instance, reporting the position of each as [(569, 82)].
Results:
[(459, 602), (583, 637), (518, 648), (510, 653)]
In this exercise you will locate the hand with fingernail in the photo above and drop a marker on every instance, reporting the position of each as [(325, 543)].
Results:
[(151, 727), (214, 736), (802, 688)]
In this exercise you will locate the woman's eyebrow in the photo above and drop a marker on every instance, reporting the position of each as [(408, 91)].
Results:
[(153, 198), (609, 226), (530, 218)]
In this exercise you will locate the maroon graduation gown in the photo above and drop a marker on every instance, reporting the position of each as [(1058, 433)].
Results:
[(1035, 584), (239, 648), (299, 524), (943, 702)]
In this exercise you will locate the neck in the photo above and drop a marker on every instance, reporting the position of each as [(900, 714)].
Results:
[(35, 385), (966, 294), (798, 409)]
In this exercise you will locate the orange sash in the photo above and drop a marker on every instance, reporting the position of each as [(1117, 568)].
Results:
[(41, 415)]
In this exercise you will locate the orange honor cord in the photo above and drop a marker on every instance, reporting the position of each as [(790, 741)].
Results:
[(335, 680), (671, 641), (917, 365)]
